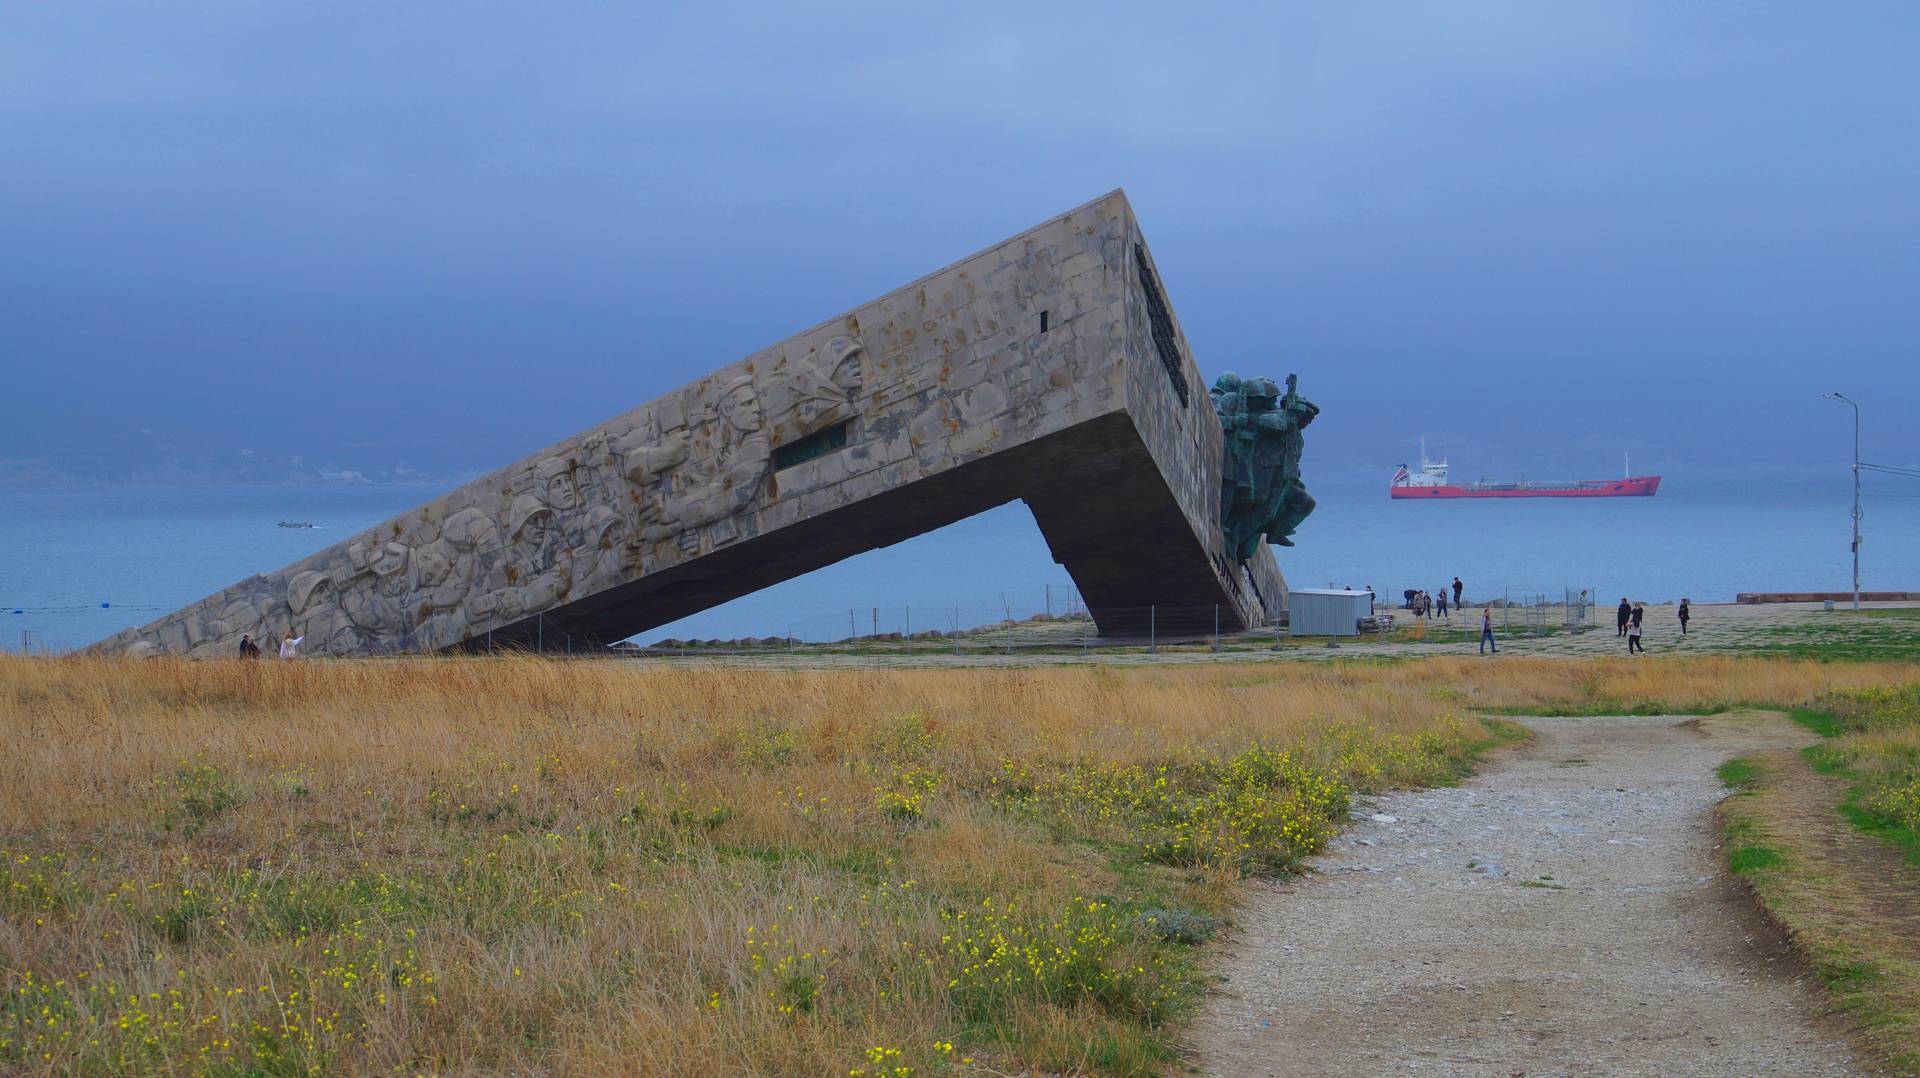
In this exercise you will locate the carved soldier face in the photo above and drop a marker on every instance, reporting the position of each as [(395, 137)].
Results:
[(390, 570), (534, 532), (615, 534), (557, 484), (848, 373), (740, 407)]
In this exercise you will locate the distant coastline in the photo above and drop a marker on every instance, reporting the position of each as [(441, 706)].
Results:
[(42, 474)]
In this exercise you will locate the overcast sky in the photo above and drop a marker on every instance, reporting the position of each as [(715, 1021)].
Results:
[(1537, 233)]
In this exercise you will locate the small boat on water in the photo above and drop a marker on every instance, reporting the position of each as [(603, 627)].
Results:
[(1431, 482), (295, 524)]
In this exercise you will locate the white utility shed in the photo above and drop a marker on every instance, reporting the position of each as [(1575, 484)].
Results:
[(1320, 612)]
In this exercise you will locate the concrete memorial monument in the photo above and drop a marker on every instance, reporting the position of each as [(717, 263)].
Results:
[(1049, 368)]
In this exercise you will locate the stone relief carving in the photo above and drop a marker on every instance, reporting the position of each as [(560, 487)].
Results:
[(817, 390), (684, 474), (674, 478), (374, 596), (647, 458), (731, 471), (527, 573), (609, 558)]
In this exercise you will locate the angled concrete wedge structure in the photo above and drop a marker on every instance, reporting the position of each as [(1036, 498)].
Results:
[(1049, 368)]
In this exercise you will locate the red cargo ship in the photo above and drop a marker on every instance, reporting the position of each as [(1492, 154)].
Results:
[(1431, 482)]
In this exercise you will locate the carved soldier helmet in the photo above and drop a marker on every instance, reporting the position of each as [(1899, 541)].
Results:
[(525, 508), (1260, 389), (606, 529), (467, 528), (435, 563), (302, 589), (391, 559)]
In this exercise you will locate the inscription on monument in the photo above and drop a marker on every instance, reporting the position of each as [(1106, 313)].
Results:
[(1165, 343)]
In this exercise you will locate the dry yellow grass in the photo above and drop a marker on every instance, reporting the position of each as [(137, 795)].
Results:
[(486, 864)]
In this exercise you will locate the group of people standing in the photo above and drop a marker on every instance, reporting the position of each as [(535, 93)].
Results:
[(1426, 604), (1444, 601), (1630, 616)]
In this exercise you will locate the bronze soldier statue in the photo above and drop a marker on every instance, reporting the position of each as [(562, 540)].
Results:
[(1261, 495)]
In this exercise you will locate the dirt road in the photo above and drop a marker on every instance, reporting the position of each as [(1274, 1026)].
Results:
[(1566, 912)]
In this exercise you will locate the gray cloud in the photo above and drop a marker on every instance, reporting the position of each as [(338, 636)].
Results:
[(1533, 231)]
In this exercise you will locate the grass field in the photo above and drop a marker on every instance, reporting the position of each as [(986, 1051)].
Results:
[(481, 865), (1881, 633), (1829, 838)]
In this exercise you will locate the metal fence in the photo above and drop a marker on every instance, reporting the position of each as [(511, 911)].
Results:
[(1560, 608), (960, 629)]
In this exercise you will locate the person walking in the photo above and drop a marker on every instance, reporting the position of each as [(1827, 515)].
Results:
[(1486, 631), (290, 647), (1457, 589), (1443, 603), (248, 649), (1622, 615), (1634, 628), (1686, 615)]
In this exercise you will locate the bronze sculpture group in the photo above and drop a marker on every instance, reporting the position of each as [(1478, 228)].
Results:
[(1261, 493)]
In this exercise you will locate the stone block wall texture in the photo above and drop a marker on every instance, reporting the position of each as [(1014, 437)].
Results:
[(1047, 368)]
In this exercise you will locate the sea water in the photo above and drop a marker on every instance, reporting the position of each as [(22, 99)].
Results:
[(146, 551)]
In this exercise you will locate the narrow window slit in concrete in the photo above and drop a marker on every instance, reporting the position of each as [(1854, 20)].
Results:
[(817, 444)]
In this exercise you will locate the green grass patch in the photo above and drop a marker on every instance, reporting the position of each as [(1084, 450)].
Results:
[(1822, 723), (1857, 639), (1829, 758), (1858, 986), (1869, 738), (1865, 817), (1738, 773), (1747, 860)]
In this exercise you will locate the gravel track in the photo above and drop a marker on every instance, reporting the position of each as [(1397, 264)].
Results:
[(1566, 912)]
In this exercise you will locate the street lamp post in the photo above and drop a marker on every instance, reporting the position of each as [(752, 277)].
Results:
[(1856, 493)]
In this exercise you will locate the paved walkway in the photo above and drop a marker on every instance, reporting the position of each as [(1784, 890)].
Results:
[(1566, 912)]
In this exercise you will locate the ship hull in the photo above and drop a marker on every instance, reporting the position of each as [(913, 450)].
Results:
[(1639, 486)]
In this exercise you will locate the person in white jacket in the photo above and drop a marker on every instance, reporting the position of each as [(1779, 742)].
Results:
[(290, 647)]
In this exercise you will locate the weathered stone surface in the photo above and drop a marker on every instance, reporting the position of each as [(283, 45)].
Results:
[(1048, 368)]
